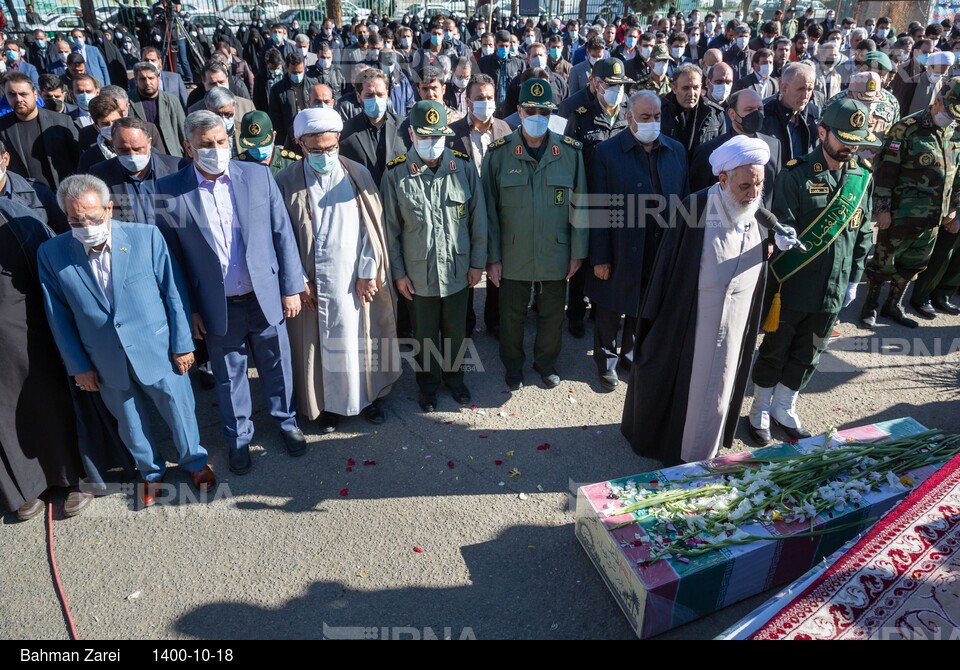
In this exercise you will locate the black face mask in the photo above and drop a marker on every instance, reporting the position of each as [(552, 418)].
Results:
[(55, 105), (829, 62), (362, 40), (752, 122)]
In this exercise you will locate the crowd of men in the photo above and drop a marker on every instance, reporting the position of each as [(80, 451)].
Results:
[(321, 194)]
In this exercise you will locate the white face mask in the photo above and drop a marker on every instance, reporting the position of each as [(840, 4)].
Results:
[(487, 51), (303, 51), (645, 52), (766, 69), (647, 132), (660, 68), (325, 63), (721, 92), (742, 43), (538, 61), (134, 162), (430, 149), (934, 76), (592, 60), (212, 161), (460, 82), (676, 52), (484, 109), (881, 33), (90, 236), (943, 120), (614, 96), (106, 133)]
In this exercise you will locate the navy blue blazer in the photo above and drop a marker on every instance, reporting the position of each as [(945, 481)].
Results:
[(273, 258), (148, 321), (618, 166)]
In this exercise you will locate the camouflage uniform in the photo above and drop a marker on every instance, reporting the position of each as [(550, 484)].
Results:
[(883, 116), (917, 182)]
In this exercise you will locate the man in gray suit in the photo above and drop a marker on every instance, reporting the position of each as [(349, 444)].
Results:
[(149, 103)]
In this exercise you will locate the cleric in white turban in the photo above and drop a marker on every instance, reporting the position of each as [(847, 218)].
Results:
[(700, 315), (344, 346), (930, 83)]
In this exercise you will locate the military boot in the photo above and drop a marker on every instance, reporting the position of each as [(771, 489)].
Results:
[(893, 307), (868, 315)]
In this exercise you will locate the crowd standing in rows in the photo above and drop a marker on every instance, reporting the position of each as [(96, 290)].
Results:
[(302, 199)]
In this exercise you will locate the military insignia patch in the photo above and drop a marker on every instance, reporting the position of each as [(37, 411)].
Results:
[(518, 150), (818, 167), (857, 219), (818, 189), (858, 120), (582, 110), (617, 68), (871, 85), (792, 162), (926, 160), (894, 146), (453, 166), (432, 117), (536, 90), (461, 210), (254, 129), (414, 168), (556, 150), (559, 196)]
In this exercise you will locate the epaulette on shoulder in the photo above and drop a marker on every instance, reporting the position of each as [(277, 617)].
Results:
[(290, 155), (582, 110), (399, 160), (497, 143), (244, 156), (898, 130), (909, 121), (572, 142), (460, 154), (865, 163), (793, 162)]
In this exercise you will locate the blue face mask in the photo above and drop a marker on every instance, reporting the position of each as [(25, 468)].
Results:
[(229, 123), (536, 126), (322, 163), (13, 56), (448, 36), (922, 58), (297, 78), (436, 40), (375, 107), (631, 42), (83, 100), (502, 52), (261, 153)]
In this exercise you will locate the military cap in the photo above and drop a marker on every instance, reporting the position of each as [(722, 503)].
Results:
[(536, 94), (660, 52), (849, 121), (428, 118), (611, 71), (950, 93), (878, 60), (256, 130), (866, 87)]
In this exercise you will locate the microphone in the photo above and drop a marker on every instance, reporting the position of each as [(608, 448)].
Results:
[(766, 219)]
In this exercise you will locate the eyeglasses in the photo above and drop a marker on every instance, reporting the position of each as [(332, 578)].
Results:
[(89, 221), (226, 115), (323, 151)]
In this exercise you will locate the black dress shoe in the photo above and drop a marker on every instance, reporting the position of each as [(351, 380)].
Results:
[(944, 305), (576, 328), (514, 380), (329, 422), (925, 309), (240, 462), (428, 401), (609, 380), (760, 436), (550, 378), (374, 413), (792, 433), (461, 394), (295, 442)]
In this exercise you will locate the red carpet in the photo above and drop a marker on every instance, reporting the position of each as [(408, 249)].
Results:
[(900, 581)]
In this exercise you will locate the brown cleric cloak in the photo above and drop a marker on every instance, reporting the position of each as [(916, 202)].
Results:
[(655, 409)]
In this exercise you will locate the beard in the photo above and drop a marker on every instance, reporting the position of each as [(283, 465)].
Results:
[(736, 210), (840, 155)]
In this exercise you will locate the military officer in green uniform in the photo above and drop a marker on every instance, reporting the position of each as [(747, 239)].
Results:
[(826, 197), (257, 138), (591, 124), (788, 27), (657, 80), (918, 190), (538, 236), (937, 284), (435, 218)]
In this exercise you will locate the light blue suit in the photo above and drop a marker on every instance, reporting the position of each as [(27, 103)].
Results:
[(255, 325), (129, 344)]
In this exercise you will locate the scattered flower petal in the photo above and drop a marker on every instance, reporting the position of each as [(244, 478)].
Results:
[(543, 447), (351, 462), (369, 462), (498, 462), (509, 453), (450, 465), (417, 550), (344, 493)]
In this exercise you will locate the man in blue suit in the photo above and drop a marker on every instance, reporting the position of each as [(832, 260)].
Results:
[(92, 57), (119, 319), (13, 54), (227, 224)]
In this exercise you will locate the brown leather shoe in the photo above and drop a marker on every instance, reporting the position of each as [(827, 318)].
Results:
[(76, 502), (30, 509), (204, 479), (148, 493)]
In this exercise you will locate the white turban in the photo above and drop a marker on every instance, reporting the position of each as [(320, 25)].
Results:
[(740, 150), (317, 120), (941, 58)]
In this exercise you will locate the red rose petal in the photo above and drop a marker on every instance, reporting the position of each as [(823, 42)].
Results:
[(450, 465), (369, 462), (654, 483), (483, 437), (543, 447), (344, 492), (498, 462), (351, 462), (473, 407), (449, 423), (417, 550), (349, 469)]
